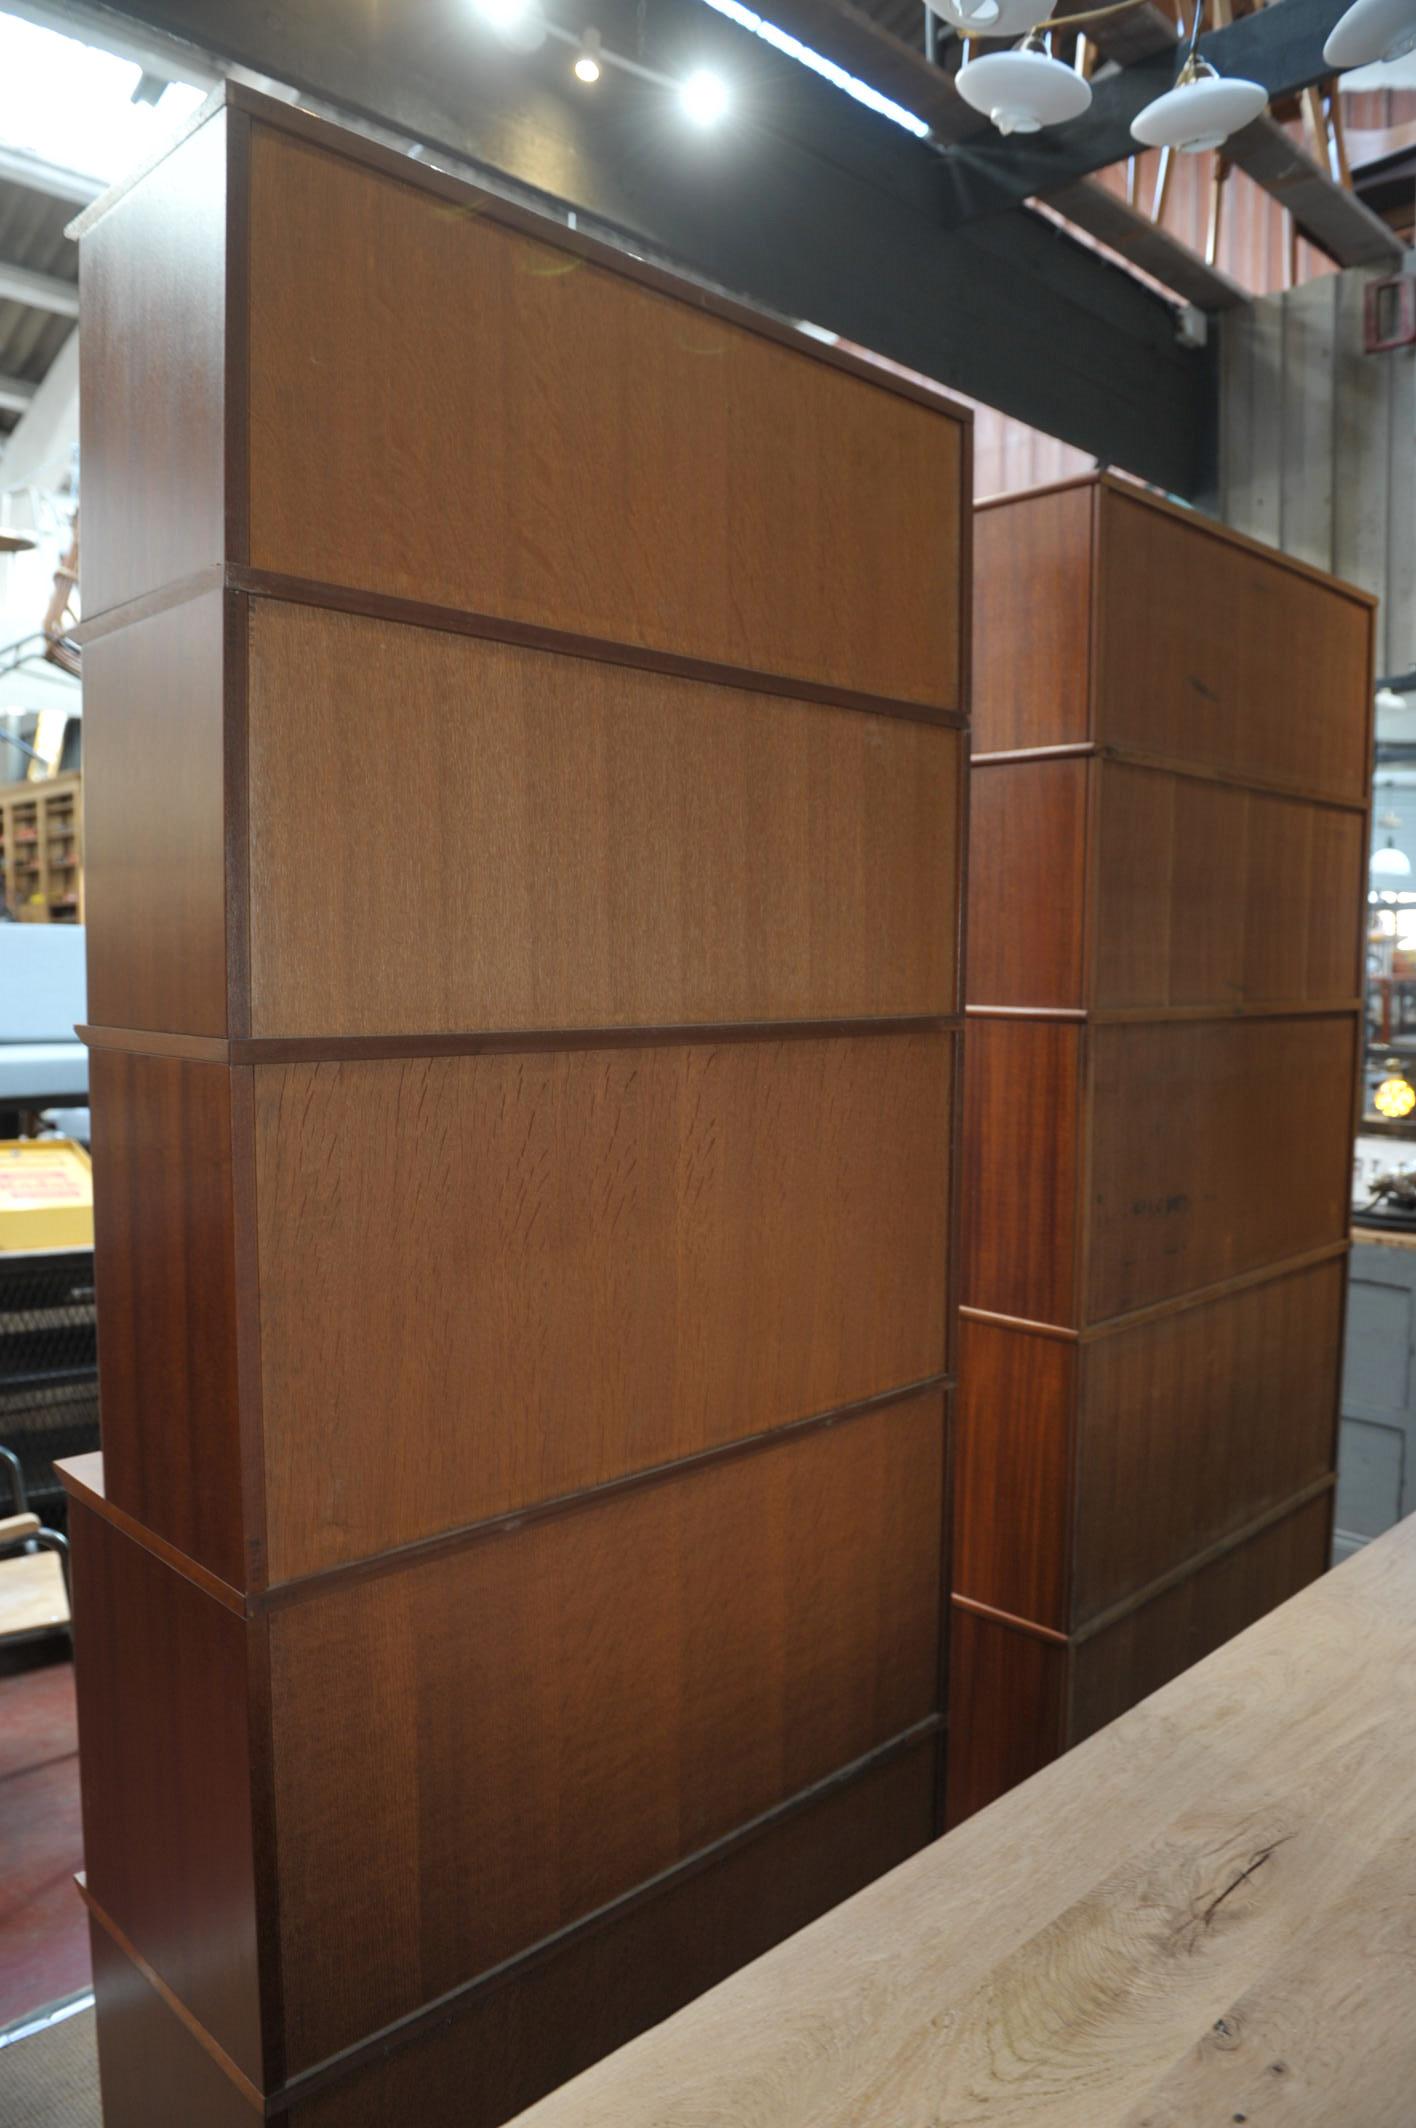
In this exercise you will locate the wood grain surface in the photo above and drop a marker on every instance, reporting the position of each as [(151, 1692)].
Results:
[(153, 377), (153, 2071), (165, 1250), (1201, 1915), (1027, 883), (165, 1769), (708, 1647), (1238, 664), (155, 822), (489, 1281), (1216, 1146), (1032, 580), (1022, 1155), (1190, 876), (1007, 1708), (1015, 1472), (568, 843), (515, 2043), (606, 460), (1192, 1425), (1122, 1662)]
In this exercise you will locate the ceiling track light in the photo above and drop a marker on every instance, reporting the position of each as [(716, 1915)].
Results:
[(703, 97), (1370, 31), (587, 65), (1023, 90)]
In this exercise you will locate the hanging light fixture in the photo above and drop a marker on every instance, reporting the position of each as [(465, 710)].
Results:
[(990, 18), (1203, 108), (1396, 1096), (1372, 30), (1023, 90), (1389, 862)]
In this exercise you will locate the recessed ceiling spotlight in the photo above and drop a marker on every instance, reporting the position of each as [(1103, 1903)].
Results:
[(1024, 90), (704, 97), (1372, 30), (587, 66), (519, 22), (1202, 110)]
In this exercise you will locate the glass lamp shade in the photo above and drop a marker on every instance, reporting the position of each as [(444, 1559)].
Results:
[(1371, 30), (1023, 91), (992, 18), (1198, 113), (1390, 863)]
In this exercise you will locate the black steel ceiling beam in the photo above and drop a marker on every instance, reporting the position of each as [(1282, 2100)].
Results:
[(805, 203), (1280, 46)]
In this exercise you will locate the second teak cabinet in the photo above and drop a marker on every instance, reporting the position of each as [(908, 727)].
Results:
[(1171, 733)]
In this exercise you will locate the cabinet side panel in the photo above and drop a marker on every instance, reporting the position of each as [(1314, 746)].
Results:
[(1032, 621), (607, 460), (531, 2036), (1189, 876), (1148, 1647), (1239, 663), (1218, 1147), (1007, 1693), (164, 1268), (1196, 1424), (456, 1740), (155, 822), (1013, 1471), (152, 397), (164, 1752), (1027, 844), (535, 1273), (1019, 1181), (153, 2072), (570, 843)]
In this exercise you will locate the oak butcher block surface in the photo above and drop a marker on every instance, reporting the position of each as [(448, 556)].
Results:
[(532, 699), (1168, 828), (1201, 1916)]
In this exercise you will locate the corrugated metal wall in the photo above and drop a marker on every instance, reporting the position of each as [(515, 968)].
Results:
[(1318, 444)]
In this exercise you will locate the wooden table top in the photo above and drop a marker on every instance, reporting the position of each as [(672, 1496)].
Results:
[(1204, 1915)]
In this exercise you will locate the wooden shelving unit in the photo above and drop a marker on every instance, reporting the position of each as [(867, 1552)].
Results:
[(1168, 848), (512, 1594), (42, 849)]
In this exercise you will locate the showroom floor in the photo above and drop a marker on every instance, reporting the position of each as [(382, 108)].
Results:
[(44, 1955)]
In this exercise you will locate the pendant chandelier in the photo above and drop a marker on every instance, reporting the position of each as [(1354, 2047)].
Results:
[(1023, 90), (1372, 30)]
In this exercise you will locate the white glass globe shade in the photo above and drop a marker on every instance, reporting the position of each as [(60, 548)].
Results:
[(991, 18), (1390, 863), (1196, 115), (1023, 91), (1372, 30)]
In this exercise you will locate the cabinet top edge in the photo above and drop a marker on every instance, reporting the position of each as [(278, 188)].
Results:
[(342, 137), (1130, 490)]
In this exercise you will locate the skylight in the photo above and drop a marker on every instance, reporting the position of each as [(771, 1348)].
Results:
[(826, 68), (71, 105)]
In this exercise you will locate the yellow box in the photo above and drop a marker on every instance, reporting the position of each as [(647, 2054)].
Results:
[(46, 1194)]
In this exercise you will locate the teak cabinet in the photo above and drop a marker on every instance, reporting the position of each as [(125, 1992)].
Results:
[(513, 1590), (1171, 732)]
